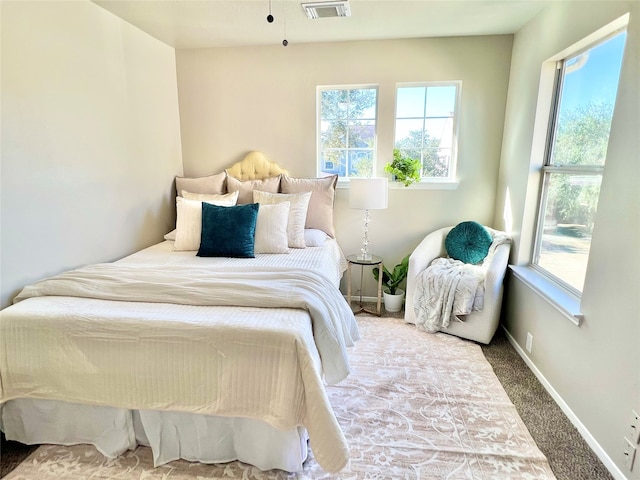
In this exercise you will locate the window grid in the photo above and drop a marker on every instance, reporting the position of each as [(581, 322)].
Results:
[(438, 162), (348, 159)]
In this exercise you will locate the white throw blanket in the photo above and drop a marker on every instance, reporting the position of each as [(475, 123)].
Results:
[(448, 288), (334, 325)]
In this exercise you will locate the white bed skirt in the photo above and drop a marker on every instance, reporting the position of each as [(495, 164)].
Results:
[(171, 435)]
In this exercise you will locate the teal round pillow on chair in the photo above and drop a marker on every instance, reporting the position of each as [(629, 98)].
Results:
[(468, 242)]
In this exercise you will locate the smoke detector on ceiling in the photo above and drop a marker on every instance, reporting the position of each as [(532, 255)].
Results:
[(327, 9)]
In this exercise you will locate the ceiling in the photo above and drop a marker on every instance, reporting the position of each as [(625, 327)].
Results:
[(222, 23)]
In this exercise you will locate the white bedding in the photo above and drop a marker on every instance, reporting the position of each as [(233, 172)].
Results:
[(171, 435), (216, 360), (333, 325)]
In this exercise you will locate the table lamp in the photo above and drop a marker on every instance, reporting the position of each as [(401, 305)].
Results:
[(367, 194)]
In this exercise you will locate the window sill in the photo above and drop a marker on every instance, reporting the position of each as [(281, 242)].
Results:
[(424, 185), (427, 185), (565, 302)]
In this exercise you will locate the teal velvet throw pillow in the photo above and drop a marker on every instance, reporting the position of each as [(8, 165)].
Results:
[(468, 242), (228, 231)]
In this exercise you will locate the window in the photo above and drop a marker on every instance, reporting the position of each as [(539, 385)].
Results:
[(426, 127), (347, 130), (584, 96)]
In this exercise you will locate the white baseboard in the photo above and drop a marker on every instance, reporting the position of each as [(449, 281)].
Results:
[(591, 441)]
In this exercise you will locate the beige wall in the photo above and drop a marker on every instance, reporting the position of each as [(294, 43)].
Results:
[(233, 100), (594, 368), (90, 139)]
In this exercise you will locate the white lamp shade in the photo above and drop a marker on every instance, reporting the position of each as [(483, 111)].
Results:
[(368, 193)]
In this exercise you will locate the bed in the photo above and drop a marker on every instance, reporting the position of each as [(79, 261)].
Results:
[(205, 358)]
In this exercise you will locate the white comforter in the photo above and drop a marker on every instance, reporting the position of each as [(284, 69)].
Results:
[(334, 326), (148, 352)]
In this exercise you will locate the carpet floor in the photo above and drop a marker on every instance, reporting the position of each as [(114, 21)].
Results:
[(417, 406), (568, 453)]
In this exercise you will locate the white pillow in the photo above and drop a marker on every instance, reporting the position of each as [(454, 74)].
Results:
[(297, 212), (314, 237), (271, 228), (189, 222), (223, 200)]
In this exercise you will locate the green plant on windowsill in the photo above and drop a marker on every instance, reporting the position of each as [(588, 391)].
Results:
[(404, 169)]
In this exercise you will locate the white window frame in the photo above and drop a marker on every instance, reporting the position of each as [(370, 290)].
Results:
[(319, 149), (548, 168), (437, 182)]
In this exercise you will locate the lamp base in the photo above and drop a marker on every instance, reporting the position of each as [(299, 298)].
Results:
[(365, 256)]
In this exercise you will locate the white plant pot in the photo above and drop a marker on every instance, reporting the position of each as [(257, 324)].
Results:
[(393, 303)]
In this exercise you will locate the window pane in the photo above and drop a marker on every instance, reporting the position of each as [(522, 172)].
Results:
[(409, 133), (569, 214), (362, 135), (360, 163), (441, 101), (587, 97), (410, 102), (333, 104), (435, 162), (438, 132), (362, 103), (413, 153), (334, 161), (333, 134)]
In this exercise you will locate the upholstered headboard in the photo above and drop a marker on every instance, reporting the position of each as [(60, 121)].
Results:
[(256, 165)]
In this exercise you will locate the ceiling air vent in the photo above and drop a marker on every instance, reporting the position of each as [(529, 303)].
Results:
[(327, 9)]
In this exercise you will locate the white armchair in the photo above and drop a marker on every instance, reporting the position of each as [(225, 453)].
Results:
[(478, 326)]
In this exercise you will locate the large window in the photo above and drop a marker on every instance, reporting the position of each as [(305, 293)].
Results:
[(347, 130), (426, 127), (584, 96)]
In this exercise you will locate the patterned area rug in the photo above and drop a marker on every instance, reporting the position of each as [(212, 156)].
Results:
[(417, 406)]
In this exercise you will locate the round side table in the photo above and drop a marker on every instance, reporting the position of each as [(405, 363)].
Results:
[(373, 261)]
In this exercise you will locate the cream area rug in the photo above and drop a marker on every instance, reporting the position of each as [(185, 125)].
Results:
[(416, 406)]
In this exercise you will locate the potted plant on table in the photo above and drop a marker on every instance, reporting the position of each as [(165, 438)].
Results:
[(391, 280), (404, 169)]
